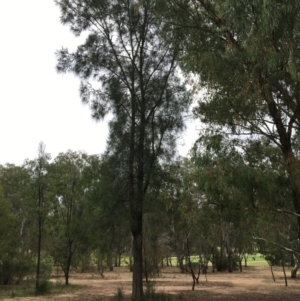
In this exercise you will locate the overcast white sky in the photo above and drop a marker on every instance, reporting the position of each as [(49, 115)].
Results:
[(36, 103)]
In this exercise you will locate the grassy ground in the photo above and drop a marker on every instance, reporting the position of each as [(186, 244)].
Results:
[(256, 260), (255, 283), (27, 289), (252, 260), (57, 288)]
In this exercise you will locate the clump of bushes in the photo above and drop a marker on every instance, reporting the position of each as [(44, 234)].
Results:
[(14, 270)]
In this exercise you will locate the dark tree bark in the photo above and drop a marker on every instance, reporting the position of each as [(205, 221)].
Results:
[(38, 170), (283, 269), (37, 283), (67, 263)]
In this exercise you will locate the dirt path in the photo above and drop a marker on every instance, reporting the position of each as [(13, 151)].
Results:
[(254, 283)]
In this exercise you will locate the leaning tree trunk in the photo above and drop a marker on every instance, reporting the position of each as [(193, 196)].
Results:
[(292, 165), (292, 168), (283, 269), (295, 267), (290, 161)]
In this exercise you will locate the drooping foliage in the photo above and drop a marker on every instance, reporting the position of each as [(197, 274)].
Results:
[(246, 58)]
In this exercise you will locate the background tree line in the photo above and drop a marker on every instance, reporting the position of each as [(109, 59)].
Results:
[(64, 212), (220, 205)]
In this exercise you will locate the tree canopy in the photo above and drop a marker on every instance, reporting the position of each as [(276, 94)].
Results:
[(247, 58), (135, 73)]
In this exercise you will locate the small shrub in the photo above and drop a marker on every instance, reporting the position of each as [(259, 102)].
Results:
[(46, 267), (120, 294), (13, 294), (17, 291), (150, 268), (221, 262), (43, 288), (152, 295), (13, 271), (45, 274)]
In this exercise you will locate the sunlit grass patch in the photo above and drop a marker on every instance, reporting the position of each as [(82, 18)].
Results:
[(256, 260)]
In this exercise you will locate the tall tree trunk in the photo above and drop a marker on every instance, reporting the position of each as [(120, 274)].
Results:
[(180, 263), (291, 163), (68, 263), (137, 278), (136, 224), (230, 268), (137, 202), (296, 201), (40, 225), (37, 283), (272, 271), (240, 264), (137, 233), (246, 259), (109, 260), (67, 277), (292, 166), (283, 269)]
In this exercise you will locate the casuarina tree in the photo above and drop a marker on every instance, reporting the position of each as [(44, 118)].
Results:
[(127, 69)]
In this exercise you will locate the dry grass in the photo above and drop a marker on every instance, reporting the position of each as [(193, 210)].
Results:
[(254, 283)]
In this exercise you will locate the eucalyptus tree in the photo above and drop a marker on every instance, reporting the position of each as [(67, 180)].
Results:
[(155, 227), (223, 186), (181, 201), (132, 73), (17, 227), (110, 207), (68, 216), (247, 57), (15, 181), (242, 187), (14, 266), (39, 194)]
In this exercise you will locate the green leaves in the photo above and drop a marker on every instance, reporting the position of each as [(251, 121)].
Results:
[(245, 60)]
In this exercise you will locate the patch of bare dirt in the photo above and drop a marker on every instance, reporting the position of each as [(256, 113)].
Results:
[(254, 283)]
